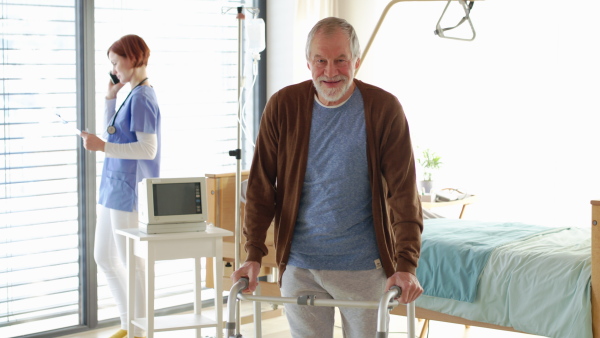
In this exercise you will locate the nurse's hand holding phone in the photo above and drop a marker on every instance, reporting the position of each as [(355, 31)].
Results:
[(113, 86), (113, 78), (91, 141)]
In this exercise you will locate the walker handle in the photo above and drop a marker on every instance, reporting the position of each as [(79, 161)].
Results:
[(232, 303)]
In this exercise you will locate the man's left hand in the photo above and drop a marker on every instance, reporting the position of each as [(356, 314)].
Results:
[(411, 288)]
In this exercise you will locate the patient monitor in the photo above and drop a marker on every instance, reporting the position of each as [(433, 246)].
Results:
[(172, 205)]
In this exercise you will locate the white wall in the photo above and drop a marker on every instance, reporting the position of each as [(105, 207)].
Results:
[(288, 25), (513, 113), (280, 45)]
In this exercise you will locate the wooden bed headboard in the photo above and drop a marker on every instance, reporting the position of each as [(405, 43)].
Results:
[(596, 268)]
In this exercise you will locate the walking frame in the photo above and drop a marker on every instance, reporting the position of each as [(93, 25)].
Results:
[(385, 304)]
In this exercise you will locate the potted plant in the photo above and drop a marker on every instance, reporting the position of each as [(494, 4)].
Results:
[(429, 162)]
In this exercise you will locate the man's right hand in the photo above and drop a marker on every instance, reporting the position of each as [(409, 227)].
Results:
[(249, 269)]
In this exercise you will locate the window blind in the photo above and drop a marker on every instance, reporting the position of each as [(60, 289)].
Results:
[(193, 68), (39, 257)]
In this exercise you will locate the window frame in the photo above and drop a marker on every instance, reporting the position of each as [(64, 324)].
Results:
[(88, 314)]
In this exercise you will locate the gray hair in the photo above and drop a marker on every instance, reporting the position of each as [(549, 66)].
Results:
[(330, 25)]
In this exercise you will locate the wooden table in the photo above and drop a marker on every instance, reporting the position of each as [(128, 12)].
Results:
[(464, 202)]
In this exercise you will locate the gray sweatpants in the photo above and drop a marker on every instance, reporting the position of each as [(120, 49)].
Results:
[(317, 321)]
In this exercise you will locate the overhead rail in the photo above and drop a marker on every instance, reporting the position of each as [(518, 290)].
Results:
[(439, 31)]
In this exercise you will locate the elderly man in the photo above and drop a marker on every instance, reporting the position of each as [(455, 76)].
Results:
[(334, 167)]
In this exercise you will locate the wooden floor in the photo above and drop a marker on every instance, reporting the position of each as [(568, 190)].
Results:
[(278, 328)]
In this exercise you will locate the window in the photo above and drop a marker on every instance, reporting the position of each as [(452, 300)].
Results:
[(39, 253), (193, 68)]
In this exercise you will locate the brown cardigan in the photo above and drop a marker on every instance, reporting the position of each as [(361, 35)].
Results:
[(279, 164)]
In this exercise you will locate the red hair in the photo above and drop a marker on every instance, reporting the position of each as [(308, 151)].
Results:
[(132, 47)]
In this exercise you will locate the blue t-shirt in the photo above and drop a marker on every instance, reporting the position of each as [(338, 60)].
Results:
[(118, 187), (334, 229)]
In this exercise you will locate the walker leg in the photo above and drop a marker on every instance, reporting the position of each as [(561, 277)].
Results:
[(410, 318), (257, 315)]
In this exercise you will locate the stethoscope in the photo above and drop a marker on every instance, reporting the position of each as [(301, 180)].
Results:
[(111, 129)]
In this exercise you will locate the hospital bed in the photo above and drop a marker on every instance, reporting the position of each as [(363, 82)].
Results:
[(542, 281)]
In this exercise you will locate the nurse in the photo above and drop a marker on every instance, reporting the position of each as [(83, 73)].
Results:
[(132, 153)]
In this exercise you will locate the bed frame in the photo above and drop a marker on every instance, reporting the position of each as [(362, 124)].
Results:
[(595, 294)]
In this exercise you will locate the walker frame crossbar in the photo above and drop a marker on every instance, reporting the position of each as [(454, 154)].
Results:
[(384, 305)]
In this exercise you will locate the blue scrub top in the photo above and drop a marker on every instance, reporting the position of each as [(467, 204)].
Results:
[(118, 186)]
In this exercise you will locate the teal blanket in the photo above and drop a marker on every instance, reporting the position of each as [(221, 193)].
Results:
[(454, 253)]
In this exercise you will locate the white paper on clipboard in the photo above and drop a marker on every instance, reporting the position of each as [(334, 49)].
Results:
[(69, 125)]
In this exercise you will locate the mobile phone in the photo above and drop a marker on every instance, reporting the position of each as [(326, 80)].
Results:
[(113, 78)]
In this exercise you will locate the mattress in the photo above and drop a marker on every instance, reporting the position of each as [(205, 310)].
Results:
[(539, 284)]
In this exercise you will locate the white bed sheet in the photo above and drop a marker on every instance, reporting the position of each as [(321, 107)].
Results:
[(539, 286)]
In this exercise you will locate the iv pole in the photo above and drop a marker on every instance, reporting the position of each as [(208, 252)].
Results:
[(237, 153)]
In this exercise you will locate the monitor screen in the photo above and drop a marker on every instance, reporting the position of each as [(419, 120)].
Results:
[(177, 199), (173, 200)]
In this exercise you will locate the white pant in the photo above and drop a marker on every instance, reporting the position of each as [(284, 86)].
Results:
[(110, 255), (317, 321)]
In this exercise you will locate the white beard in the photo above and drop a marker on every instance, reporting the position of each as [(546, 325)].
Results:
[(332, 94)]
